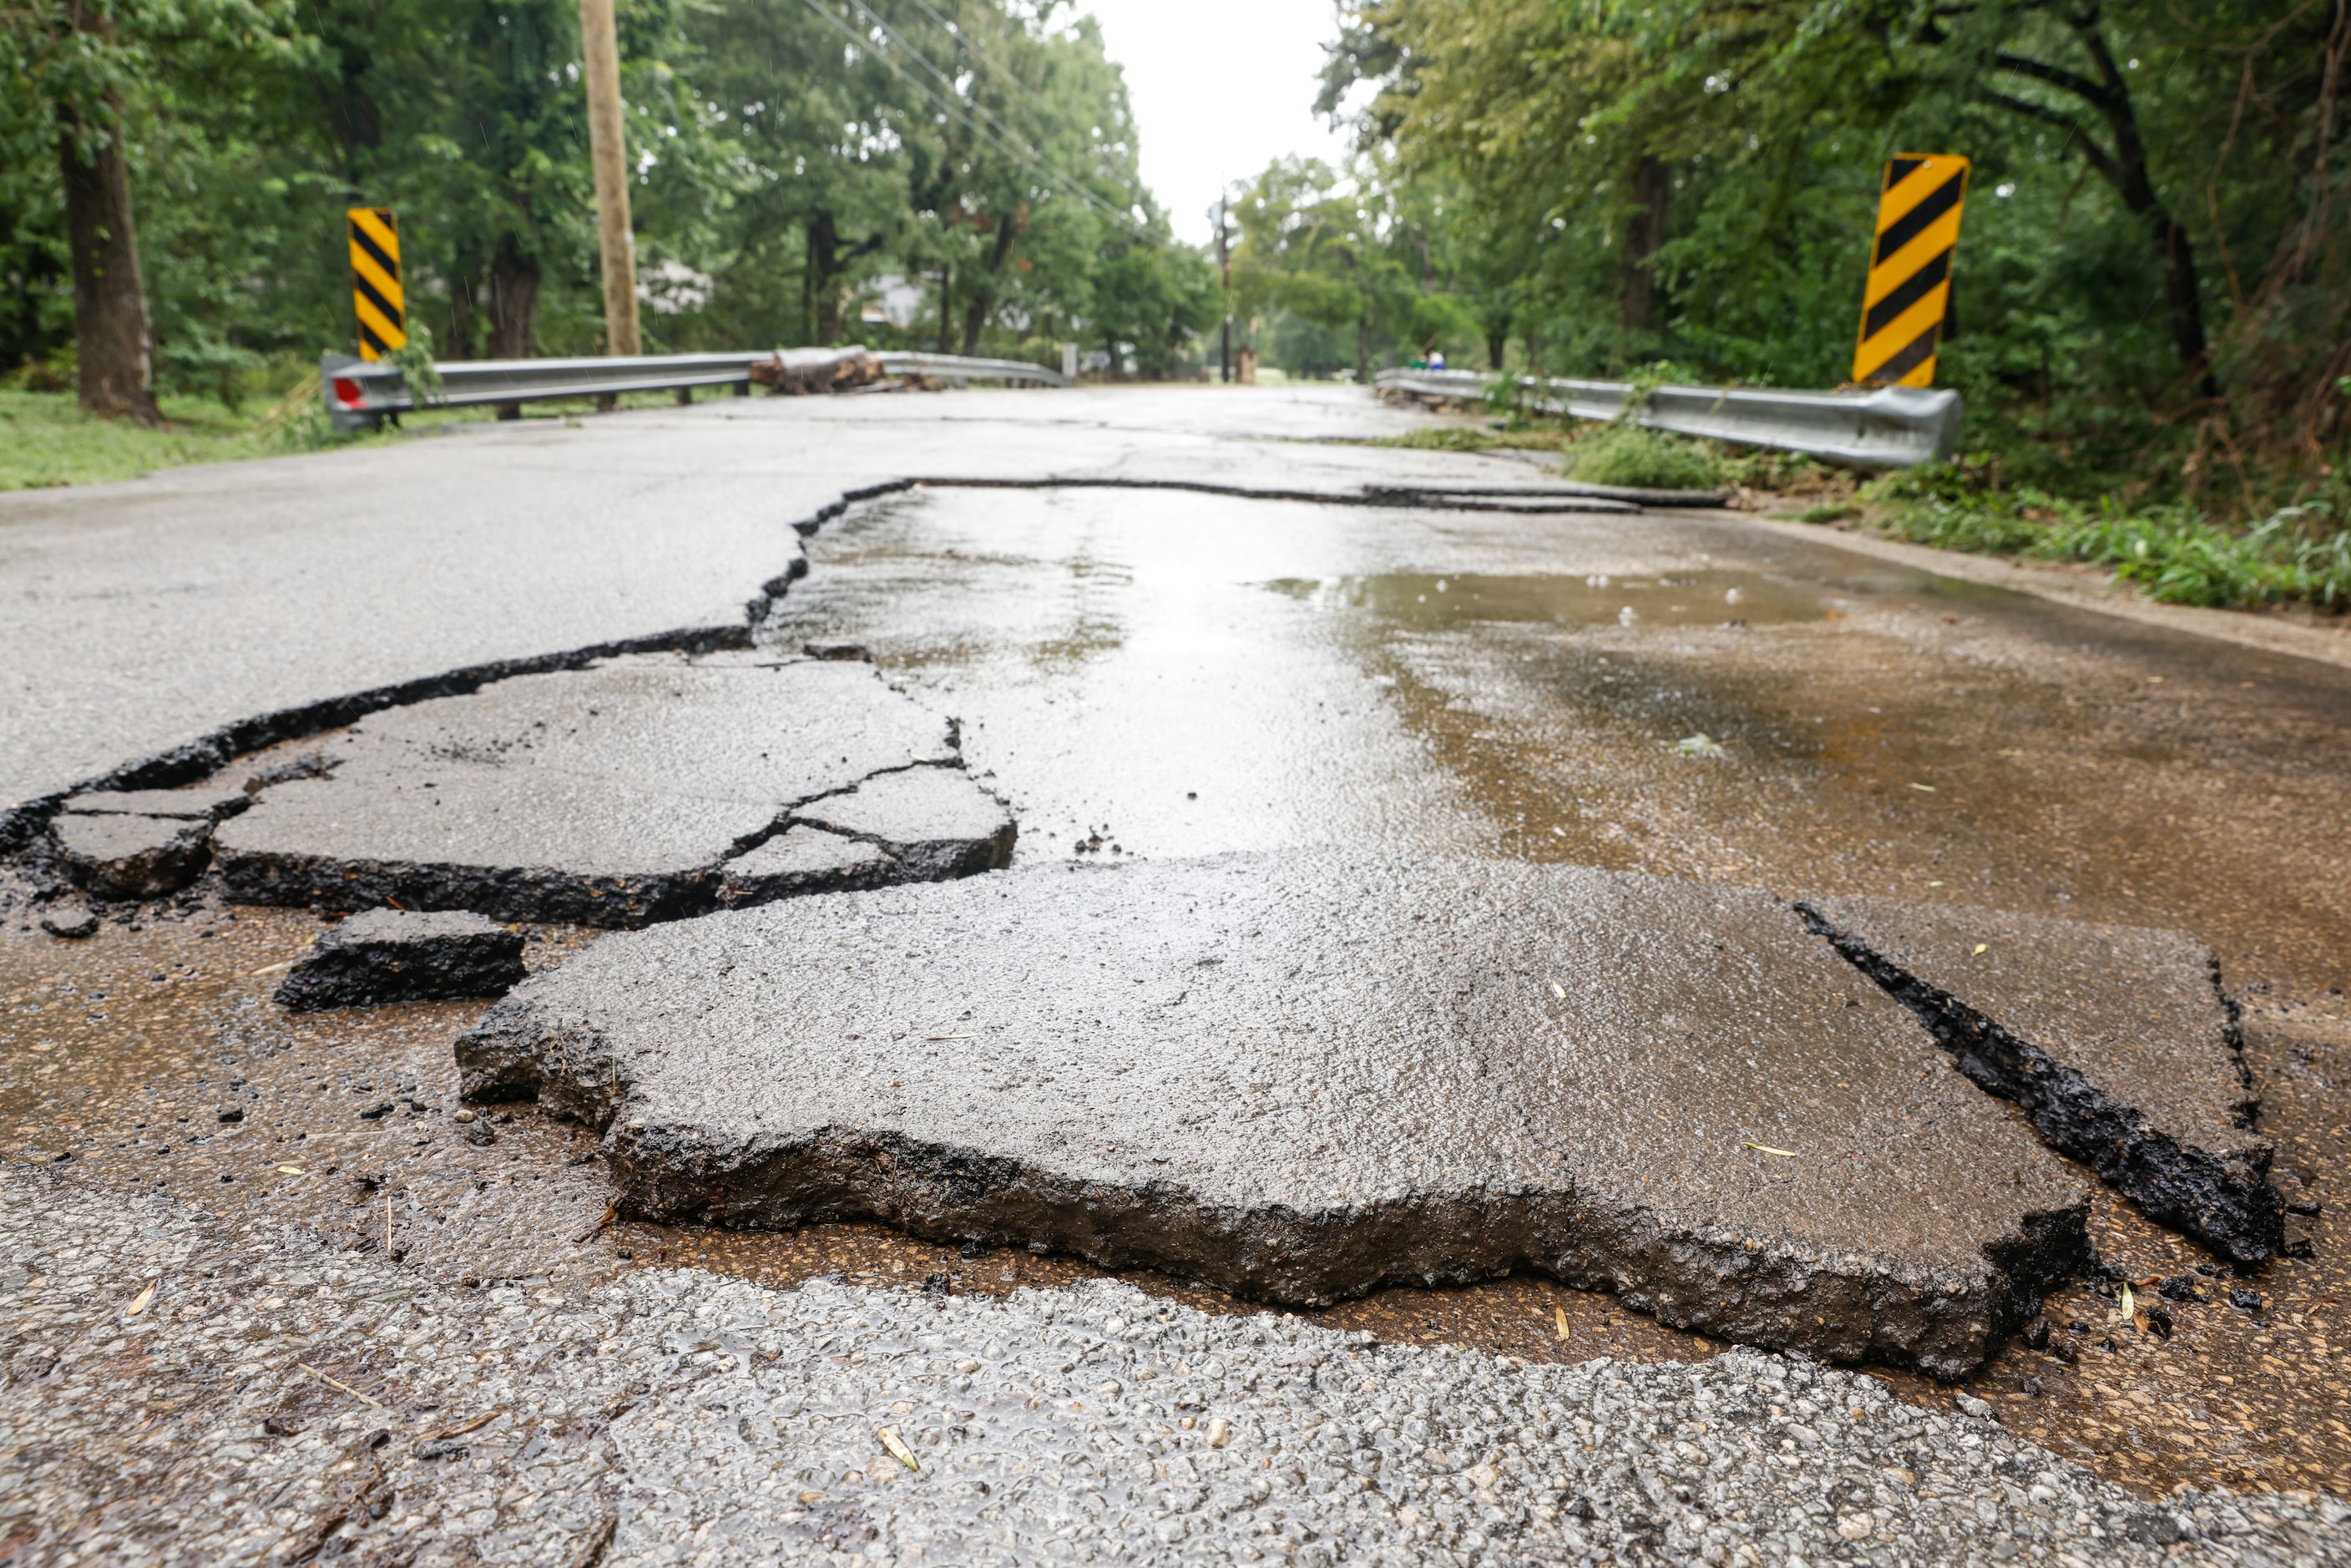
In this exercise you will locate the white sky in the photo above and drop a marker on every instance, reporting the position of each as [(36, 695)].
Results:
[(1220, 89)]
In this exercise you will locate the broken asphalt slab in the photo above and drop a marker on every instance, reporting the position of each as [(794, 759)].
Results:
[(405, 955), (2115, 1039), (613, 795), (116, 856), (1301, 1076)]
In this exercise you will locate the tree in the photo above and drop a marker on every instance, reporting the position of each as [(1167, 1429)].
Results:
[(76, 64)]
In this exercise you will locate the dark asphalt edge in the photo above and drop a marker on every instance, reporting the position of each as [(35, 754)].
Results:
[(2229, 1206), (187, 763), (1685, 1276)]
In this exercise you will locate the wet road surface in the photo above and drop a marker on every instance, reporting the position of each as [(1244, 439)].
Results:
[(1166, 676)]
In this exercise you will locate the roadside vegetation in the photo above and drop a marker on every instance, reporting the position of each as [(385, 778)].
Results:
[(956, 176), (2151, 322)]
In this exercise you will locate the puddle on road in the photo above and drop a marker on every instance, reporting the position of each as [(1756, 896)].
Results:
[(1426, 601)]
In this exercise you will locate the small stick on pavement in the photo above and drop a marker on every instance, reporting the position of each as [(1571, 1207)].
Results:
[(346, 1387), (596, 1229), (387, 1222)]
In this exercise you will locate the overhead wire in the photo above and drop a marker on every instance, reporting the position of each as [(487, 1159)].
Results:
[(953, 106), (1027, 150)]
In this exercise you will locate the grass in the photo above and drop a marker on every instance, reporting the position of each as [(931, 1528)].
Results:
[(2171, 552), (1642, 459), (46, 439)]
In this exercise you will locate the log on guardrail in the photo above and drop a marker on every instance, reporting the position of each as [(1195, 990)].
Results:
[(796, 372)]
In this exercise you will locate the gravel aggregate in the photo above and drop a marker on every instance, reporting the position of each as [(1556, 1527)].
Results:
[(269, 1400)]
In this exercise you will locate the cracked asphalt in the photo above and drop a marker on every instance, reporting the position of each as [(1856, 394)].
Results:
[(1160, 675)]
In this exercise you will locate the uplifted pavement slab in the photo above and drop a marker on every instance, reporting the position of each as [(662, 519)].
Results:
[(2114, 1039), (132, 857), (933, 821), (1301, 1076), (405, 955), (612, 795)]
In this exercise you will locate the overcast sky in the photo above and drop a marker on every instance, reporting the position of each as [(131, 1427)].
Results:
[(1221, 87)]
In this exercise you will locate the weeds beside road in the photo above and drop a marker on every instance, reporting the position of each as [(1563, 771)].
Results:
[(2169, 550)]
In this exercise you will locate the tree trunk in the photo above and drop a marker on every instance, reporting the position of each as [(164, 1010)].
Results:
[(514, 303), (975, 310), (1362, 351), (1498, 343), (1636, 270), (829, 260), (2125, 167), (111, 336), (460, 343)]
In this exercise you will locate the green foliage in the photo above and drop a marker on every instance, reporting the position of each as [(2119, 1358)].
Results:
[(46, 439), (1621, 453), (2296, 554), (418, 373), (790, 160), (1611, 182)]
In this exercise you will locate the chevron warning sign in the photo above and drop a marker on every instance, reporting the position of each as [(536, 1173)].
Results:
[(1909, 292), (375, 281)]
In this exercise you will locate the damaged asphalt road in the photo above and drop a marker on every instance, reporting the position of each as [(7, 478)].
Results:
[(1465, 704), (326, 1406), (1299, 1077)]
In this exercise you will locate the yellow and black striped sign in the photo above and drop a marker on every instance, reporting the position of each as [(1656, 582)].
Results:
[(1909, 293), (375, 281)]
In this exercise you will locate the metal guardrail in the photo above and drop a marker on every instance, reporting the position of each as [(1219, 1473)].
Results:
[(1891, 427), (959, 369), (360, 393)]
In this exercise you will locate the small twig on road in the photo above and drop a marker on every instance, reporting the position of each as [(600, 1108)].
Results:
[(346, 1387), (598, 1228)]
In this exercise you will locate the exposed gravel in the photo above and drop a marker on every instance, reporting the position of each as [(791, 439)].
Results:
[(678, 1416)]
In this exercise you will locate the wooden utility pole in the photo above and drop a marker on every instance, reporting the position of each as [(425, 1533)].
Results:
[(608, 149)]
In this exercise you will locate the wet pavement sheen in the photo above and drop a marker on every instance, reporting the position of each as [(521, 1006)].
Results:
[(1146, 674)]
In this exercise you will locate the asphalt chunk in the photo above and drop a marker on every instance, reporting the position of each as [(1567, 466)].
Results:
[(935, 822), (1301, 1076), (805, 859), (2115, 1039), (405, 955), (606, 796), (132, 857)]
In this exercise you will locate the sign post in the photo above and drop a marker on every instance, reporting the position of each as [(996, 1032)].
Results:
[(376, 294), (1904, 308)]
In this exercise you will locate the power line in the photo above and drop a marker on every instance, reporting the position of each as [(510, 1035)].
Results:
[(1027, 148), (953, 106), (968, 42)]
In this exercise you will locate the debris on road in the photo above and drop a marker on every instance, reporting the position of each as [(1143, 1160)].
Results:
[(405, 955), (795, 373)]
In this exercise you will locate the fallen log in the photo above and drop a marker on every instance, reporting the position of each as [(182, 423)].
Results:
[(796, 372)]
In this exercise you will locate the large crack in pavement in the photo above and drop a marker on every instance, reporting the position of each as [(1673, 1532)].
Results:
[(492, 790), (2117, 1042)]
